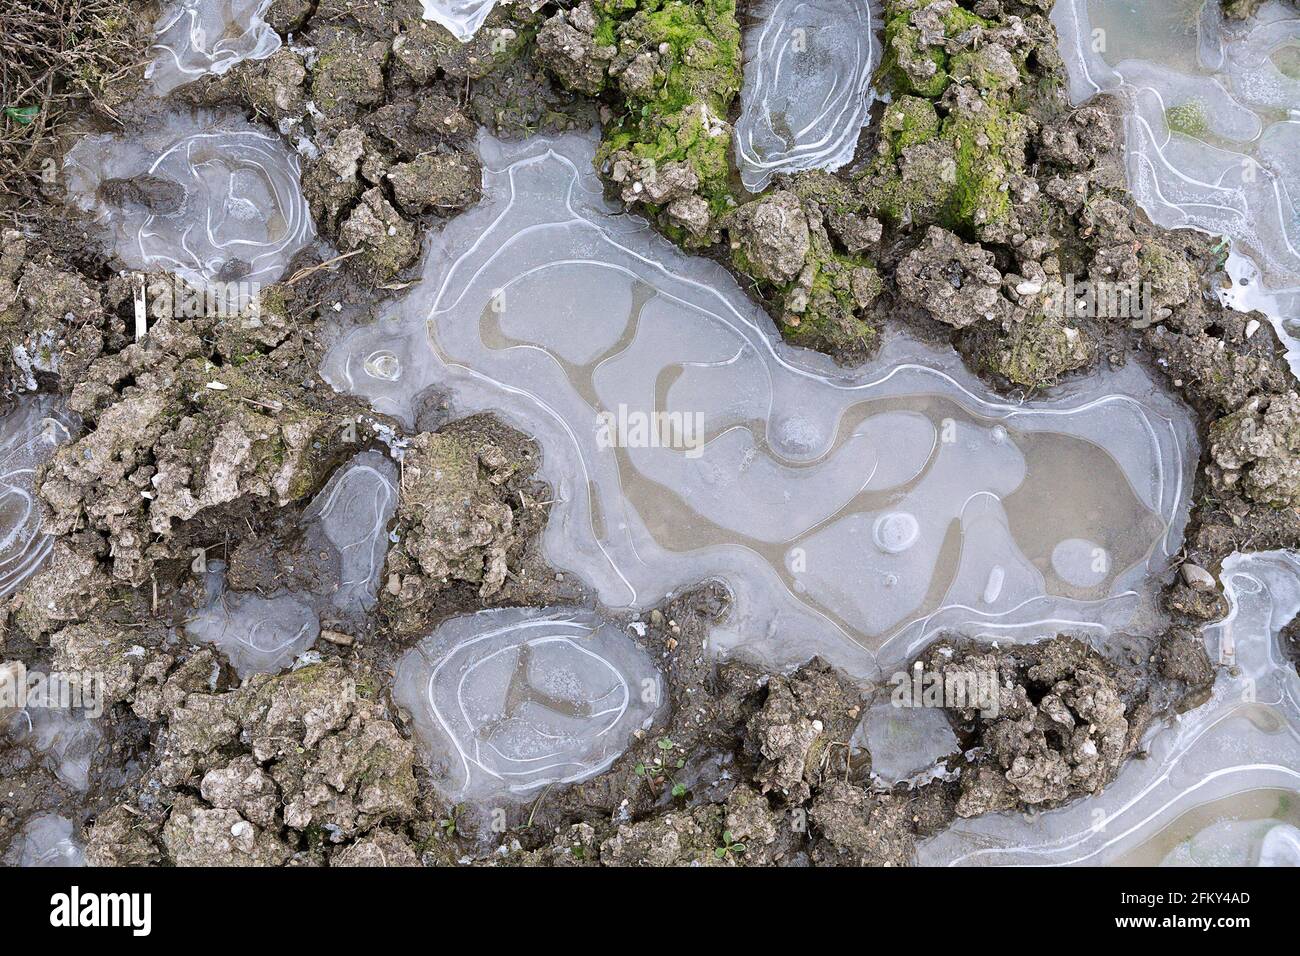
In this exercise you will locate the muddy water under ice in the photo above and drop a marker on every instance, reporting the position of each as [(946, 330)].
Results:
[(512, 700), (851, 513), (1233, 166), (806, 95)]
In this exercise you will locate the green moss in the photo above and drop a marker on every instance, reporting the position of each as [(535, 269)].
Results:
[(989, 146), (1188, 118), (702, 68), (903, 45), (907, 121)]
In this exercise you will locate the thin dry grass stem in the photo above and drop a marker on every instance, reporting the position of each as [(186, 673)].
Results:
[(57, 57)]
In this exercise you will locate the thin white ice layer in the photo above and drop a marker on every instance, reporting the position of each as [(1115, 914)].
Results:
[(807, 86), (196, 38), (511, 700), (846, 510), (462, 18), (29, 435), (1231, 164), (1245, 739), (45, 840)]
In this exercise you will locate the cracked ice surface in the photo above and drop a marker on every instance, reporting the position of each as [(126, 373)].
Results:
[(461, 17), (45, 840), (28, 436), (807, 86), (846, 510), (194, 38), (1243, 743), (205, 195), (1232, 169), (512, 700), (349, 518)]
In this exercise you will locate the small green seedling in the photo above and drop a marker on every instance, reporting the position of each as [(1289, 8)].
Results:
[(449, 824), (729, 846)]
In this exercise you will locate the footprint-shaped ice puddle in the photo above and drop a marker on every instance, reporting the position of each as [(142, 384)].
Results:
[(1212, 134), (807, 90), (512, 700), (45, 840), (205, 195), (1235, 757), (195, 38), (29, 434), (685, 441), (346, 528), (462, 18)]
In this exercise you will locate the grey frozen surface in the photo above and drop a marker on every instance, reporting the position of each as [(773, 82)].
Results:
[(65, 738), (29, 433), (512, 700), (462, 18), (807, 86), (205, 195), (905, 743), (1212, 134), (351, 514), (194, 38), (45, 840), (852, 513), (1245, 740), (260, 635), (353, 511)]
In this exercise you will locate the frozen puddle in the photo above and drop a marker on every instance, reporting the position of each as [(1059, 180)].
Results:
[(67, 739), (461, 17), (1250, 829), (1212, 134), (1245, 740), (509, 701), (807, 86), (685, 441), (28, 436), (45, 840), (906, 744), (194, 38), (346, 528), (205, 195), (353, 512)]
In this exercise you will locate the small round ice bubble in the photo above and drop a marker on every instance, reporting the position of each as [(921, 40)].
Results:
[(896, 532), (998, 434), (1080, 563), (383, 365)]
